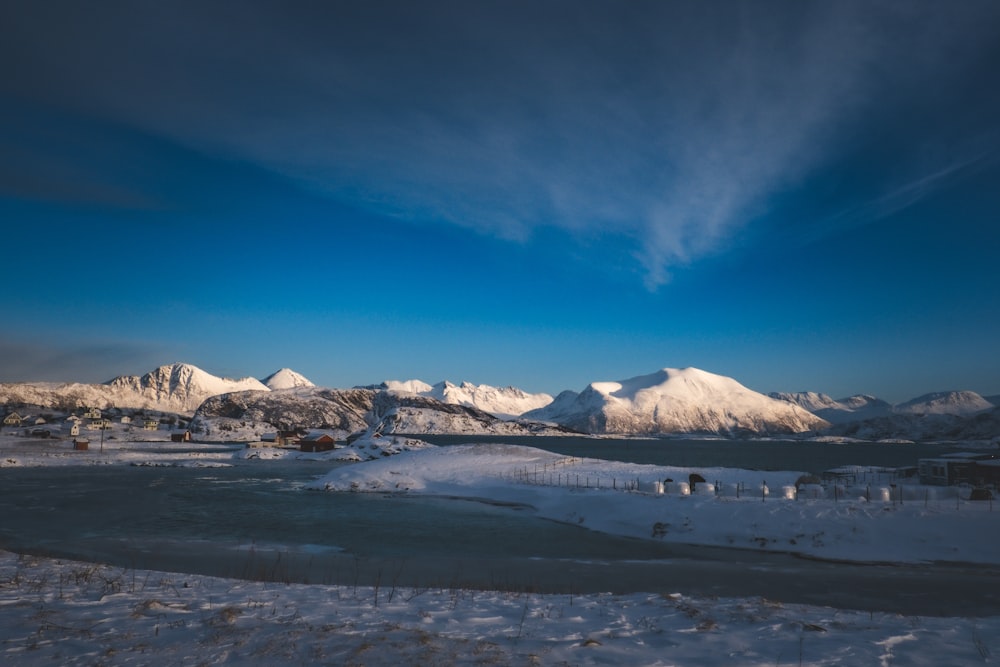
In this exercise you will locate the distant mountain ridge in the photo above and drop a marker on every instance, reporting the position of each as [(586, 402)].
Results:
[(852, 408), (668, 401), (497, 401), (946, 415), (347, 411), (177, 387), (945, 403), (861, 407)]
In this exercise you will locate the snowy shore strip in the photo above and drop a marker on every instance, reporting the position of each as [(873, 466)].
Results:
[(72, 613), (861, 527)]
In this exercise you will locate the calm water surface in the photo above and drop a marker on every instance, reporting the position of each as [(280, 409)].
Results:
[(812, 457)]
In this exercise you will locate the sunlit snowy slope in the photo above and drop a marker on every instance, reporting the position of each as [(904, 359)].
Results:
[(673, 400)]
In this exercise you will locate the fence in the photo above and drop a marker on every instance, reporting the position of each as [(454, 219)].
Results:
[(855, 487)]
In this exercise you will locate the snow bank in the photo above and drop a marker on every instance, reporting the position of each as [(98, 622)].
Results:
[(747, 509), (367, 448)]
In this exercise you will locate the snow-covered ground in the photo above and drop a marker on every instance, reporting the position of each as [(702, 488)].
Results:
[(71, 613), (734, 508), (65, 612)]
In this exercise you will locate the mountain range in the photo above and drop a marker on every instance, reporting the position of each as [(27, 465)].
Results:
[(179, 388), (861, 406), (499, 401), (668, 401)]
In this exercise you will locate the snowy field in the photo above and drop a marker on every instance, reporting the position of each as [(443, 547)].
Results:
[(66, 612), (734, 508), (70, 613)]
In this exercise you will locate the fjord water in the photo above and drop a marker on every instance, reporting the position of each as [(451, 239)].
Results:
[(806, 456), (256, 520)]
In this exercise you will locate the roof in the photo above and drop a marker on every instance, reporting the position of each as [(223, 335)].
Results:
[(970, 456), (314, 436)]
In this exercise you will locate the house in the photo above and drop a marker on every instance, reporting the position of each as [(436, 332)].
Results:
[(99, 424), (957, 468), (150, 424), (126, 419), (81, 444), (39, 421), (259, 444), (291, 438), (92, 413), (13, 419), (180, 436), (266, 440), (71, 427), (989, 472), (317, 441)]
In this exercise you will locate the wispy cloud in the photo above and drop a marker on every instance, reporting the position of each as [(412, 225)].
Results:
[(899, 198), (670, 126)]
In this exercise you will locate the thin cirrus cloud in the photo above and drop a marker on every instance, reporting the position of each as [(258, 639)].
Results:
[(667, 126)]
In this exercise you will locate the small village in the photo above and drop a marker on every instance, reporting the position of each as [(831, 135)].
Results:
[(976, 472), (82, 422), (85, 426)]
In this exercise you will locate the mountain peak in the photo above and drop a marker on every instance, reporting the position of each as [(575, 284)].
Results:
[(177, 387), (945, 403), (286, 378)]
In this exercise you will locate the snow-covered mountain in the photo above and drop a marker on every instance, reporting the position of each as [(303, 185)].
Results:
[(949, 415), (286, 378), (410, 413), (945, 403), (982, 426), (252, 413), (347, 411), (673, 400), (179, 388), (409, 386), (852, 408), (497, 401), (668, 401), (176, 388)]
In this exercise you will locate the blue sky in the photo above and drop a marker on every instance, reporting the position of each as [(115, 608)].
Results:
[(800, 195)]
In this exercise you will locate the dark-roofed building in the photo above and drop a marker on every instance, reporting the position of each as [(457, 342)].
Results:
[(958, 468), (317, 442)]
